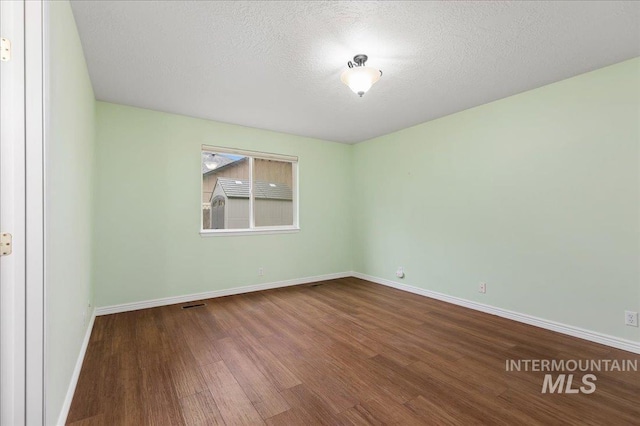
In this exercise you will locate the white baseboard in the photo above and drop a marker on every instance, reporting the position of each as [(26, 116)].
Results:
[(66, 405), (592, 336), (125, 307)]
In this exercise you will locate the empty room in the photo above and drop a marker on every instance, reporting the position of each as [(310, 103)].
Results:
[(319, 212)]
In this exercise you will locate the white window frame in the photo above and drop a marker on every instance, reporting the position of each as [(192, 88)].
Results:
[(253, 230)]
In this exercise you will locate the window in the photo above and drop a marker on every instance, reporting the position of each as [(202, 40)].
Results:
[(248, 192)]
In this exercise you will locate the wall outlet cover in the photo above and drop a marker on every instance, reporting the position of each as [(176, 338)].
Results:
[(631, 318)]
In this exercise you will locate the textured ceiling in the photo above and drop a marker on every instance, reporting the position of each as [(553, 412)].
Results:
[(277, 65)]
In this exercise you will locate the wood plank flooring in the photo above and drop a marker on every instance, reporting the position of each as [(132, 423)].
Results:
[(340, 352)]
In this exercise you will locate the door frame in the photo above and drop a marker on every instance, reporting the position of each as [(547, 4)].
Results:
[(36, 13), (22, 214), (12, 218)]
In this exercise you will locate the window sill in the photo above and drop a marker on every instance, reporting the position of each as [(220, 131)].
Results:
[(255, 231)]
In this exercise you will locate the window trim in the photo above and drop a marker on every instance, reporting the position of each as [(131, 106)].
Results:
[(253, 230), (247, 153)]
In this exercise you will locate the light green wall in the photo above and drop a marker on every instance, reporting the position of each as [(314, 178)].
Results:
[(69, 171), (147, 221), (536, 194)]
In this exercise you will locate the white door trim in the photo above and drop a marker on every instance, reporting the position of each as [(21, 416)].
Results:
[(21, 214), (34, 182), (12, 218)]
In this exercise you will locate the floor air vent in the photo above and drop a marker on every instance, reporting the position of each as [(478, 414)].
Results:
[(197, 305)]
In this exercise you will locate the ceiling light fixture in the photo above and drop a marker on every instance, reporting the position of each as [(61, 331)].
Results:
[(359, 77)]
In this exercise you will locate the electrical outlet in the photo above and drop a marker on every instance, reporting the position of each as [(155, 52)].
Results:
[(631, 318), (260, 271), (482, 288)]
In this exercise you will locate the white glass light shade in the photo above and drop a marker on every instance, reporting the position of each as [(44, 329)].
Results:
[(360, 79)]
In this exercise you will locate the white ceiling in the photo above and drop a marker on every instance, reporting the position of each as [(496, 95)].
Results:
[(277, 65)]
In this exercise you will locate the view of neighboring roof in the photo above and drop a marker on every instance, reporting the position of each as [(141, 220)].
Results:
[(235, 188), (211, 161)]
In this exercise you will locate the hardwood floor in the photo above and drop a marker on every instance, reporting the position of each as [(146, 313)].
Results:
[(340, 352)]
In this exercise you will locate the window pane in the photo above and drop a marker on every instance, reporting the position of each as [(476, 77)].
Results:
[(225, 191), (273, 192)]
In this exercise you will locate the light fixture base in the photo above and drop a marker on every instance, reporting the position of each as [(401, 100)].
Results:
[(360, 60)]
